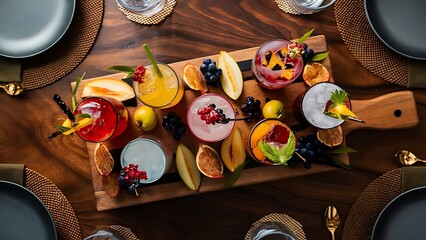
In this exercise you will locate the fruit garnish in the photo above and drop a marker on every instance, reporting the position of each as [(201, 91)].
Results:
[(331, 137), (278, 145), (130, 177), (77, 125), (209, 162), (152, 60), (231, 78), (139, 74), (103, 159), (232, 150), (338, 108), (193, 77), (314, 72), (108, 87), (211, 73), (173, 123), (110, 184), (187, 167)]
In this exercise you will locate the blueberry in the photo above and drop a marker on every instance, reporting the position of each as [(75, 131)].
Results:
[(166, 119), (218, 72), (211, 68), (207, 61), (249, 99), (207, 76), (309, 53), (171, 114), (299, 145), (304, 151), (56, 98), (304, 46), (181, 130), (309, 146), (203, 68), (311, 154), (213, 78)]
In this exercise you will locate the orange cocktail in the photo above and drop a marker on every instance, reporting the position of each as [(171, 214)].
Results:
[(159, 92), (271, 142)]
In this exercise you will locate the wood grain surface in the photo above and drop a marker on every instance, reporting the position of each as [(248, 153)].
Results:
[(195, 29)]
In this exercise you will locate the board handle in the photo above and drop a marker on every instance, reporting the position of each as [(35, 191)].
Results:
[(390, 111)]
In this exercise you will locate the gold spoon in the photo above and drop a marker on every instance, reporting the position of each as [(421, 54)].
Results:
[(407, 158), (13, 88), (331, 219)]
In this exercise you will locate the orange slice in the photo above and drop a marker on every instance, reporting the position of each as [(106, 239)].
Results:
[(331, 137), (193, 77), (209, 162), (103, 160), (110, 184), (315, 72)]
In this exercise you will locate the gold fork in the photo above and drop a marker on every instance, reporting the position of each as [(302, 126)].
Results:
[(331, 219)]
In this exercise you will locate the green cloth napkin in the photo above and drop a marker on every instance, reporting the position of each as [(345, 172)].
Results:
[(416, 74), (10, 70), (12, 173), (412, 177)]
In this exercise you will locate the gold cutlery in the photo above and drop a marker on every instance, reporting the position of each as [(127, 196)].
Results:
[(407, 158), (13, 88), (331, 219)]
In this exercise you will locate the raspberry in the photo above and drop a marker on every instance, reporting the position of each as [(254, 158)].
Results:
[(139, 74)]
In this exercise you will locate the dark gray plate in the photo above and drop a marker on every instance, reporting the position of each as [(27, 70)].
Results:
[(399, 24), (403, 217), (29, 27), (23, 215)]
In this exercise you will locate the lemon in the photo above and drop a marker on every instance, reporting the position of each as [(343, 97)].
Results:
[(145, 118)]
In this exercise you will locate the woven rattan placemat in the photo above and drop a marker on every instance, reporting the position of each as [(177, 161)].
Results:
[(67, 225), (294, 226), (67, 53), (154, 19), (366, 46), (367, 207)]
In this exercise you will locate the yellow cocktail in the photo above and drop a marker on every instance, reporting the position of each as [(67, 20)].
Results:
[(159, 92)]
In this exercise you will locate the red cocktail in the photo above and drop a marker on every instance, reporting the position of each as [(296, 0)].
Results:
[(110, 118), (273, 66)]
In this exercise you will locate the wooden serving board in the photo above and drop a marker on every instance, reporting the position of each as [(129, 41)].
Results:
[(379, 113)]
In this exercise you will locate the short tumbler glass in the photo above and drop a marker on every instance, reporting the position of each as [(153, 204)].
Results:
[(144, 7), (310, 6)]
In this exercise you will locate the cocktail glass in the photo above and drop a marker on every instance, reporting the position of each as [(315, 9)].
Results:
[(275, 73), (158, 92), (144, 7), (110, 118), (280, 137), (210, 132), (150, 154), (314, 103), (309, 6)]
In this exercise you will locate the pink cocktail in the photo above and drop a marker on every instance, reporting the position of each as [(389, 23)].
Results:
[(109, 116), (272, 66), (210, 132)]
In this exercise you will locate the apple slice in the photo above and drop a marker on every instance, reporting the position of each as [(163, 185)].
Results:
[(108, 87), (231, 78), (187, 167), (232, 150)]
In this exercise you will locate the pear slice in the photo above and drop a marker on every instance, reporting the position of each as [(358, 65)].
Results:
[(108, 87), (187, 167), (231, 78), (232, 150)]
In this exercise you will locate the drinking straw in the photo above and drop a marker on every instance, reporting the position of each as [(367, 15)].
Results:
[(151, 58)]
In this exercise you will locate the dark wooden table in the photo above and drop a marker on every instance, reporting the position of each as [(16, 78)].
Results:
[(196, 29)]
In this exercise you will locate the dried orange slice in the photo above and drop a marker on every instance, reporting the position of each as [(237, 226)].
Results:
[(110, 184), (194, 78), (331, 137), (104, 161), (209, 162), (315, 72)]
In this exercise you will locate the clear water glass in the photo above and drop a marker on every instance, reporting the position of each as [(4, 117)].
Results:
[(144, 7), (310, 6), (271, 231)]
